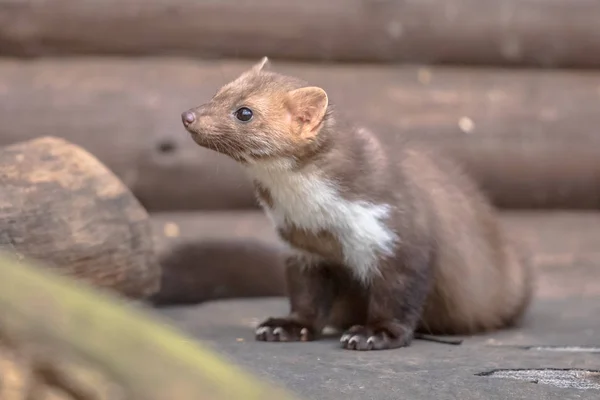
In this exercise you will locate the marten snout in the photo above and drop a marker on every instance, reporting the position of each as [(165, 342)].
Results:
[(201, 115), (188, 118)]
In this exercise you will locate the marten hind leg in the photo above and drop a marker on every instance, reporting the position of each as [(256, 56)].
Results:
[(397, 294), (310, 292)]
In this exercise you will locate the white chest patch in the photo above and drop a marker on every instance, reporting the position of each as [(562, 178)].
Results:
[(310, 202)]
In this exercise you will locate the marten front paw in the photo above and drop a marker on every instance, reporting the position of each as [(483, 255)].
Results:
[(283, 330), (380, 337)]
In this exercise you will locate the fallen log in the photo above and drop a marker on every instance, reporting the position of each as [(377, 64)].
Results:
[(60, 205), (529, 137), (222, 255), (60, 339), (549, 33)]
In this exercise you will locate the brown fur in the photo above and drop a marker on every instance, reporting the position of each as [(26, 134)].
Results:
[(263, 194), (453, 270), (322, 243)]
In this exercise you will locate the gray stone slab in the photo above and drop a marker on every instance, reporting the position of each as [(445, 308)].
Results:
[(425, 370)]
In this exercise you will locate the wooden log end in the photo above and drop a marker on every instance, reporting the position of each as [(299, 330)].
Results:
[(61, 205)]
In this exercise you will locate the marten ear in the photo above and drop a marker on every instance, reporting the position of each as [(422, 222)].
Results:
[(263, 64), (307, 107)]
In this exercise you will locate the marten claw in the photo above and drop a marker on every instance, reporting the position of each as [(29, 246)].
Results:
[(282, 330), (356, 342), (363, 338)]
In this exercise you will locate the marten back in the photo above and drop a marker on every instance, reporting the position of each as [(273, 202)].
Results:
[(482, 281)]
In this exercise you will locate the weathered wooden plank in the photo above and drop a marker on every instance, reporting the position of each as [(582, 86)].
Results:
[(59, 204), (553, 33), (60, 339), (217, 255), (529, 137)]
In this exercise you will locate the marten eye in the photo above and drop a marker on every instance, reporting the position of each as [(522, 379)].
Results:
[(244, 114)]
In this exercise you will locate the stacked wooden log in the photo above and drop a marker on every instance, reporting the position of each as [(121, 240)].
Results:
[(528, 136), (509, 32)]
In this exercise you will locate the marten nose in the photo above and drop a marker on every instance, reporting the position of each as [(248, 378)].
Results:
[(188, 118)]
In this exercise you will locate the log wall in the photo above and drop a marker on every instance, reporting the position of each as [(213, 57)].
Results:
[(529, 137), (542, 33)]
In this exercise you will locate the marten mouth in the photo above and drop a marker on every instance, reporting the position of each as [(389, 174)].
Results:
[(229, 146), (207, 142), (218, 144)]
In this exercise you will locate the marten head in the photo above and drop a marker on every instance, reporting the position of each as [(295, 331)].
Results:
[(260, 115)]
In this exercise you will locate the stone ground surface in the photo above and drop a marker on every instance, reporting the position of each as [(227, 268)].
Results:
[(425, 370), (565, 313)]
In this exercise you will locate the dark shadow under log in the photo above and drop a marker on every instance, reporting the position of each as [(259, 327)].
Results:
[(217, 255), (60, 205)]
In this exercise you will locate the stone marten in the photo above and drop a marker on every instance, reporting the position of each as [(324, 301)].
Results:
[(389, 243)]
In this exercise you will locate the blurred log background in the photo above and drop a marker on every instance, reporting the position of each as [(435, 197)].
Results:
[(510, 88), (552, 33)]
